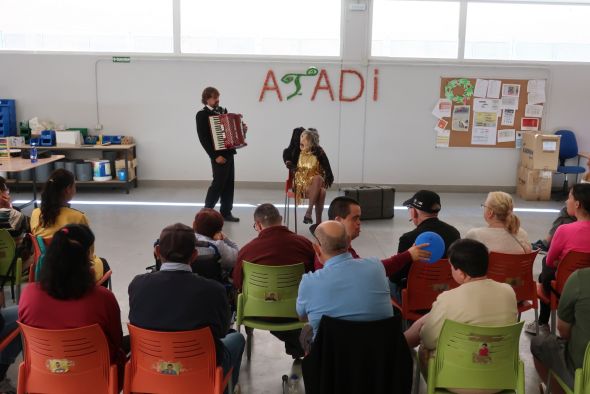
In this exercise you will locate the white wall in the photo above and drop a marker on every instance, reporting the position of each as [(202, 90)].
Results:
[(388, 141)]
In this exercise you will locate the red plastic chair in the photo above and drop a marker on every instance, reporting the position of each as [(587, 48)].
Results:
[(572, 261), (425, 283), (290, 194), (68, 361), (517, 271), (173, 362)]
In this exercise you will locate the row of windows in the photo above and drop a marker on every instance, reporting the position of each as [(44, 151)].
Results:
[(534, 31)]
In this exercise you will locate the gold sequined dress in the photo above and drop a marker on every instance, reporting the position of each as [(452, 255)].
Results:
[(308, 166)]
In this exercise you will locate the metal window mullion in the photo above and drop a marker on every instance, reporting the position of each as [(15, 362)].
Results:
[(462, 28), (176, 26)]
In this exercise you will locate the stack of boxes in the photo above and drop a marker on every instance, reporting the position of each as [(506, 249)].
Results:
[(539, 158)]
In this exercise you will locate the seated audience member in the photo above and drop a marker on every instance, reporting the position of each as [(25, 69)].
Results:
[(55, 212), (503, 233), (564, 354), (13, 220), (66, 295), (423, 208), (346, 288), (573, 236), (347, 211), (207, 226), (478, 300), (562, 218), (175, 299), (275, 245), (8, 318)]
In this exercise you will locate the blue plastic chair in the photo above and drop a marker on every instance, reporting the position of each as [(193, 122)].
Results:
[(568, 149)]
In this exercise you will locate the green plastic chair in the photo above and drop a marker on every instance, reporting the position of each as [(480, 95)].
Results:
[(268, 291), (474, 357), (581, 378), (10, 266)]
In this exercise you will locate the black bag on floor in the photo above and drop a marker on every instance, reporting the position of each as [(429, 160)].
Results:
[(376, 201)]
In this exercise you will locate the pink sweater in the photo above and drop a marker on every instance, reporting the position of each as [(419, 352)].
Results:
[(572, 236)]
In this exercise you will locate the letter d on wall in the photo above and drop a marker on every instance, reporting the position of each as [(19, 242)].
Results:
[(361, 85)]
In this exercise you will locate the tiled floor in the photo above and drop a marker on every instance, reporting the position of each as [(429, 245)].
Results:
[(125, 234)]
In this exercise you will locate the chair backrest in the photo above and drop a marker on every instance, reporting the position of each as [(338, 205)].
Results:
[(65, 361), (568, 146), (425, 283), (358, 357), (517, 271), (271, 291), (40, 245), (208, 265), (7, 251), (474, 357), (582, 376), (572, 261), (171, 362)]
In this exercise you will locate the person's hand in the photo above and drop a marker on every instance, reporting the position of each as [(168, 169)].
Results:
[(219, 236), (5, 201), (245, 127), (418, 253), (220, 160), (288, 163)]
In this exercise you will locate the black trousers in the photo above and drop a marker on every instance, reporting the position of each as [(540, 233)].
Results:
[(545, 277), (292, 345), (222, 186)]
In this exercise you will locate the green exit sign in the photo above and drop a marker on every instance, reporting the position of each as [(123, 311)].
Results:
[(121, 59)]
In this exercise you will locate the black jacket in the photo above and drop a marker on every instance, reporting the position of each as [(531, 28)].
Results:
[(204, 132), (291, 153), (325, 165), (448, 233), (179, 301), (358, 357)]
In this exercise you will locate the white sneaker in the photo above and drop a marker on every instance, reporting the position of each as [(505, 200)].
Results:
[(531, 328)]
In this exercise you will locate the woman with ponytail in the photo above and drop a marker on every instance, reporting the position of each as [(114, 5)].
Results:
[(55, 212), (503, 233), (66, 295)]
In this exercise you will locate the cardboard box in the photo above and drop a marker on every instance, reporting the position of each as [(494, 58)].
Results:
[(533, 185), (540, 151), (131, 169)]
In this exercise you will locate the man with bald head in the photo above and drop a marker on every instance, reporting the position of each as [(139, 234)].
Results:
[(346, 288)]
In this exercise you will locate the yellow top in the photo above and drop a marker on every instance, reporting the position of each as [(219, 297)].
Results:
[(307, 167), (66, 216)]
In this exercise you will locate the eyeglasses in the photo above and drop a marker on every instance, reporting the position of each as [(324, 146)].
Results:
[(484, 206)]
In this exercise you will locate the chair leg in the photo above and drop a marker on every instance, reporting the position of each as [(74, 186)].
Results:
[(249, 338), (295, 213), (286, 210), (416, 384), (537, 320), (553, 322)]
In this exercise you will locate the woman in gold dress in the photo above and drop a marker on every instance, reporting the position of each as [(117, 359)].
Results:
[(312, 176)]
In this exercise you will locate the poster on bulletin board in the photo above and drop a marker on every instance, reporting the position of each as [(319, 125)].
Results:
[(487, 113)]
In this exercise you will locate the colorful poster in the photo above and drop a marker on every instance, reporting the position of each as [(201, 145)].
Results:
[(529, 124), (442, 138), (460, 120)]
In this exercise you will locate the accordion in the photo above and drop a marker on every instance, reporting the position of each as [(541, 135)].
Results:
[(227, 131)]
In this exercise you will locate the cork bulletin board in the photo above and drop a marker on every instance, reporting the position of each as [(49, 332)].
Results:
[(517, 104)]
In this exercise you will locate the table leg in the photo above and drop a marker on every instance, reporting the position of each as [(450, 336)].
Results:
[(33, 178)]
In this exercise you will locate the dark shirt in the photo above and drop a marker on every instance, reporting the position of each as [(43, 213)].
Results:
[(448, 233), (179, 301), (275, 245), (205, 137)]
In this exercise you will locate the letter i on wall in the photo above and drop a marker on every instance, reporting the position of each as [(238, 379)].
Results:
[(375, 84)]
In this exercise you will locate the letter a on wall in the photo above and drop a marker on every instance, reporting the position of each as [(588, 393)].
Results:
[(274, 86)]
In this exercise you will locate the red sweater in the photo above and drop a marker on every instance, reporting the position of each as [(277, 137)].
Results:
[(275, 245), (572, 236), (391, 264), (38, 309)]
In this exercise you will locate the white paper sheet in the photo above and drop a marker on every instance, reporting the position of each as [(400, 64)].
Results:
[(494, 88), (442, 137), (508, 117), (486, 105), (535, 85), (518, 141), (536, 97), (533, 111), (485, 119), (506, 135), (442, 109), (509, 102), (483, 136), (481, 88)]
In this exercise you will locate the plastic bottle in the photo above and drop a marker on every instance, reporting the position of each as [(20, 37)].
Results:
[(33, 152), (293, 387)]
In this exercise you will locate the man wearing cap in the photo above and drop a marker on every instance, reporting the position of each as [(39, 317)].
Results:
[(423, 208), (175, 299)]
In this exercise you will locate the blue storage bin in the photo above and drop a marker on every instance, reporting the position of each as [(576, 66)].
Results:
[(7, 118)]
